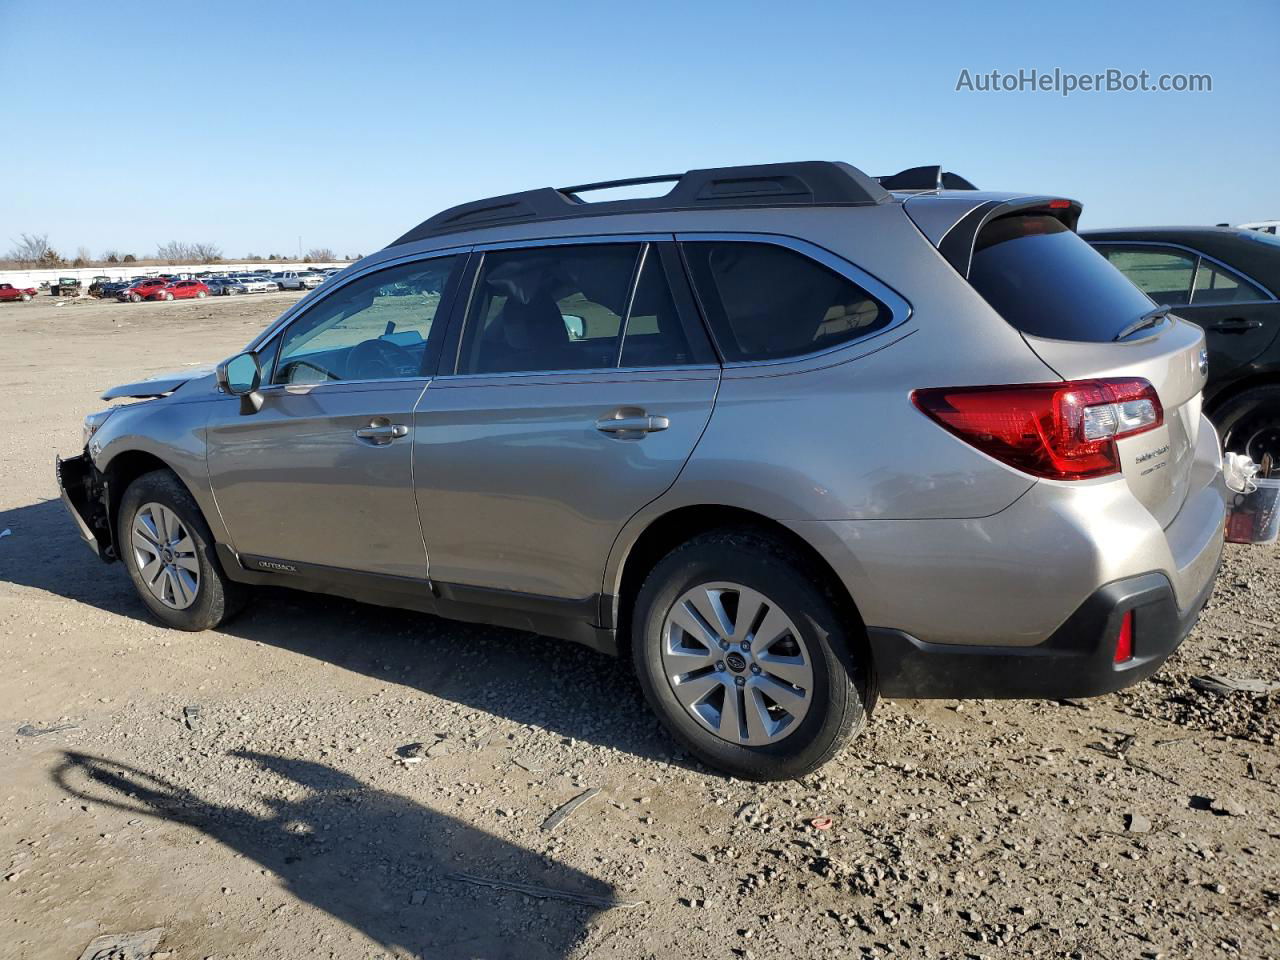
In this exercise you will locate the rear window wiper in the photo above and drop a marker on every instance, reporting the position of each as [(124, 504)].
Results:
[(1148, 319)]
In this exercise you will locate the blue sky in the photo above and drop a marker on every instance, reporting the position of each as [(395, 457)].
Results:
[(346, 123)]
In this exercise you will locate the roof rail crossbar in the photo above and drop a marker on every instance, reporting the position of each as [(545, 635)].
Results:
[(807, 183), (925, 178), (629, 182)]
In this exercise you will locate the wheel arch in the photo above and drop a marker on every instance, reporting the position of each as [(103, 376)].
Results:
[(665, 532), (1269, 377), (125, 467)]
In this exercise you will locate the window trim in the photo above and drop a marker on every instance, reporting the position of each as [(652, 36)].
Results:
[(900, 309), (650, 243), (1271, 297), (278, 330)]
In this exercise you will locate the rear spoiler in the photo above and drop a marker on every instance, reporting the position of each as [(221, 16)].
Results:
[(957, 244), (925, 178)]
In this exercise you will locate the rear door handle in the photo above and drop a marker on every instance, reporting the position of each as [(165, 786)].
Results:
[(642, 423), (1235, 325), (381, 431)]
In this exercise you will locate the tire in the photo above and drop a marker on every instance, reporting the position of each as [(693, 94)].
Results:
[(26, 297), (200, 294), (1250, 423), (135, 298), (168, 296), (214, 598), (838, 687)]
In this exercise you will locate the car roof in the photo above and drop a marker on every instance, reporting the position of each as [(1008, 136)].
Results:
[(1253, 254)]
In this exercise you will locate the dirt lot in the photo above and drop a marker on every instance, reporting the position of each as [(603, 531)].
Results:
[(243, 789)]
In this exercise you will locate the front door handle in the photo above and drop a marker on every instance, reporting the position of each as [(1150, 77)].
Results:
[(632, 425), (381, 431), (1235, 325)]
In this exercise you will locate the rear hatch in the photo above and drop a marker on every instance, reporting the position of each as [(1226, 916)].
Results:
[(1084, 319)]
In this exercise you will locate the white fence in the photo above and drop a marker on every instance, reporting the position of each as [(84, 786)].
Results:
[(126, 271)]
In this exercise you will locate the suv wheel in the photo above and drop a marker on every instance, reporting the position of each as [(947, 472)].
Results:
[(1250, 423), (745, 658), (168, 550)]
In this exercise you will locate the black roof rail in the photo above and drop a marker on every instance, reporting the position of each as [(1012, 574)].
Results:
[(925, 178), (810, 183)]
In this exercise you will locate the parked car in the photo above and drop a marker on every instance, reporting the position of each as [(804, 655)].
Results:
[(180, 290), (1226, 280), (784, 439), (96, 285), (9, 292), (297, 279), (1263, 226), (141, 290), (111, 289), (254, 283)]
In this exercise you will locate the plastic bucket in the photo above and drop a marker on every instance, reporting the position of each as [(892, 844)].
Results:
[(1255, 517)]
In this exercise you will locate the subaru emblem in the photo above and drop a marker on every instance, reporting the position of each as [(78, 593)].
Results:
[(1204, 361)]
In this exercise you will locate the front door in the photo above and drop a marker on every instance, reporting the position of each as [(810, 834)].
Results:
[(323, 473), (580, 391)]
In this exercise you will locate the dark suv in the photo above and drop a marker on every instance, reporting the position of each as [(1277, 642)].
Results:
[(1226, 281)]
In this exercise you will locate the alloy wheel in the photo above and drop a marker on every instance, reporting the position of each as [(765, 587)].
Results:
[(165, 554), (737, 663)]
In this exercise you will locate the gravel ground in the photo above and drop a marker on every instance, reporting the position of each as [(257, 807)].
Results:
[(321, 778)]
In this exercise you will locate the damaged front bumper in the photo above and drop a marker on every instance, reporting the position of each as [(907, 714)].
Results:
[(84, 494)]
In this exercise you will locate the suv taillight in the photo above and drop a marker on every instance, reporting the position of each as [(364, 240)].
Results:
[(1063, 431)]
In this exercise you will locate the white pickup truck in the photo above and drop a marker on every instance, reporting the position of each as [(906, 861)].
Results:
[(297, 279)]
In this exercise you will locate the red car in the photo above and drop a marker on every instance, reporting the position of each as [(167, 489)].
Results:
[(9, 292), (180, 290), (141, 290)]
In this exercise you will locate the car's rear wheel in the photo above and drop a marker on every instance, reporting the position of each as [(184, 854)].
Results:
[(169, 552), (746, 657), (200, 294), (1250, 423)]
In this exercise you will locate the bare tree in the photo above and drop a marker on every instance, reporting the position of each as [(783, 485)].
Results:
[(175, 251), (206, 252), (111, 255), (31, 248), (320, 255)]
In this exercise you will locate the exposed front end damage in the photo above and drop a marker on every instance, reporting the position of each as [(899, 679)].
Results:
[(84, 494)]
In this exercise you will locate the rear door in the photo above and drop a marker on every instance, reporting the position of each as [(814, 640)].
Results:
[(1239, 318), (581, 381), (1071, 306)]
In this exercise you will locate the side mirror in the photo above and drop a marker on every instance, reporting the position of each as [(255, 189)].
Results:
[(241, 376)]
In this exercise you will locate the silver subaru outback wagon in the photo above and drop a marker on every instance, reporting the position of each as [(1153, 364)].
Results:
[(786, 438)]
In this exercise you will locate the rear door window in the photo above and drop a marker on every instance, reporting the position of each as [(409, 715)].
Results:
[(1217, 284), (1162, 273), (766, 302), (1047, 282)]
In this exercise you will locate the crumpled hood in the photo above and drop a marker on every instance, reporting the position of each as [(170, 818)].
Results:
[(158, 386)]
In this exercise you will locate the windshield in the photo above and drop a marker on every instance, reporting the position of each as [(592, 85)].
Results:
[(1045, 281)]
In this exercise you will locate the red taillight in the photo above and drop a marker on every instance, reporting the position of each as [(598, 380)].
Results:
[(1124, 642), (1062, 431), (1059, 204)]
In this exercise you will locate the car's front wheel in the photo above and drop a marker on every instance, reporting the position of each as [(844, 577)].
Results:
[(169, 552), (135, 298), (25, 297), (200, 294), (746, 657)]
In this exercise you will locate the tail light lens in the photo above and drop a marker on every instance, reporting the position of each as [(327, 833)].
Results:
[(1062, 431)]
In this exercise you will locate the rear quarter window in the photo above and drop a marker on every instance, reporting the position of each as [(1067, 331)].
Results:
[(1047, 282), (766, 302)]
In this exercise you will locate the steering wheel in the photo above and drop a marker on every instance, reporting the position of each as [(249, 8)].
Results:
[(379, 359)]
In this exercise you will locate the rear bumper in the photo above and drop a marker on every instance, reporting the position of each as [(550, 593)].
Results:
[(1076, 661)]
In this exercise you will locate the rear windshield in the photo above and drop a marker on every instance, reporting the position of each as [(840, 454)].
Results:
[(1047, 282)]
